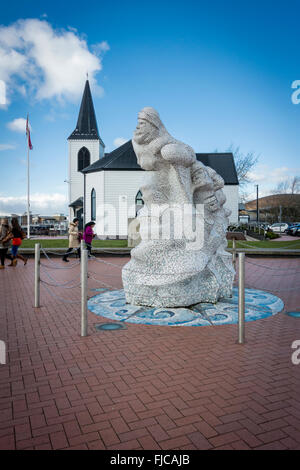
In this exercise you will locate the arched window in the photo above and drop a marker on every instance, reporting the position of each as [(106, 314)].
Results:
[(93, 204), (84, 158), (139, 199), (138, 202)]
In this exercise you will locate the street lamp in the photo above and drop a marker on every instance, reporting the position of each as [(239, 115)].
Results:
[(257, 210)]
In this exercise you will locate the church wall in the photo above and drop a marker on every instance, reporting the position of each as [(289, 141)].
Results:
[(94, 181), (232, 201), (122, 183), (101, 151)]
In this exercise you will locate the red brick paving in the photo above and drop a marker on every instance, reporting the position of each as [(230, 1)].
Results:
[(146, 387)]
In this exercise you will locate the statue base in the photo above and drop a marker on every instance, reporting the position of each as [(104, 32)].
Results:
[(112, 305), (179, 289)]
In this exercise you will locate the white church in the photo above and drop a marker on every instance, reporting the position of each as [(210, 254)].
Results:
[(112, 180)]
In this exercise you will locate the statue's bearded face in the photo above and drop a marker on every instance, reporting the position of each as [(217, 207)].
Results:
[(144, 132)]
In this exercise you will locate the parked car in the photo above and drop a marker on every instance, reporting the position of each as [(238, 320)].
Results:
[(279, 228), (33, 229), (293, 229), (264, 225)]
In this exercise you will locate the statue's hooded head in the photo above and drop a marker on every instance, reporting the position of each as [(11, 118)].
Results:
[(149, 126)]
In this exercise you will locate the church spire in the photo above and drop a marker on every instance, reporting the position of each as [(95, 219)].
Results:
[(86, 127)]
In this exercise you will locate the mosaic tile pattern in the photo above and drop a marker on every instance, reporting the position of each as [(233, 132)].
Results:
[(259, 304)]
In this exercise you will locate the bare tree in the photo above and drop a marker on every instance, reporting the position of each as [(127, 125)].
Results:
[(243, 196), (288, 186), (282, 187), (244, 163), (295, 185)]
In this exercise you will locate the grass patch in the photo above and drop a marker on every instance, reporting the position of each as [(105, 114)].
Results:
[(293, 244), (64, 243)]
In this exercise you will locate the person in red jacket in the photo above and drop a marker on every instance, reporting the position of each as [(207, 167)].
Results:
[(17, 235), (88, 236)]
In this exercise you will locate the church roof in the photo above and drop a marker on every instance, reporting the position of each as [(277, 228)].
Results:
[(124, 159), (77, 203), (222, 163), (86, 127)]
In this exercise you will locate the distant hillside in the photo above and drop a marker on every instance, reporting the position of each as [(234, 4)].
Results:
[(275, 200), (269, 207)]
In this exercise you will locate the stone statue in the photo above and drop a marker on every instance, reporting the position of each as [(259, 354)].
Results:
[(181, 259)]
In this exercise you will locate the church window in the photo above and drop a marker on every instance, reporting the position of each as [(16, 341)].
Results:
[(139, 199), (93, 204), (138, 202), (84, 158)]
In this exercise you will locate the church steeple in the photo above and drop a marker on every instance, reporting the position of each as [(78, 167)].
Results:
[(86, 127)]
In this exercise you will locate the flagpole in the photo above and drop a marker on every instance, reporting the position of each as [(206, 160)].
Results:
[(29, 147), (28, 197)]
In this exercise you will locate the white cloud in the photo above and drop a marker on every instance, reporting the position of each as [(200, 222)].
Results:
[(17, 125), (40, 203), (267, 179), (119, 141), (264, 174), (6, 147), (47, 62), (262, 193), (100, 48)]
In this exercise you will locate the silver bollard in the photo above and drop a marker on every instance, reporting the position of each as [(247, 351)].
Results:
[(37, 256), (233, 251), (241, 338), (84, 290)]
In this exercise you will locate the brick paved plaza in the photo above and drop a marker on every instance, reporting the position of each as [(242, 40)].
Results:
[(146, 387)]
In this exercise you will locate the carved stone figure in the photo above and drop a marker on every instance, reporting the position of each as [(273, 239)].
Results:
[(181, 259)]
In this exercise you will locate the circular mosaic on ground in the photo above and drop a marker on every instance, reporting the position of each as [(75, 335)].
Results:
[(293, 314), (259, 304)]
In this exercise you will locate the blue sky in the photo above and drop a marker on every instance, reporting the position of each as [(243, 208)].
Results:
[(219, 73)]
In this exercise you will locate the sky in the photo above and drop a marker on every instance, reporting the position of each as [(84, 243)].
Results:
[(219, 73)]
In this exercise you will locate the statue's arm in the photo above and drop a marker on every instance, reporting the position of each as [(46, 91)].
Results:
[(178, 154)]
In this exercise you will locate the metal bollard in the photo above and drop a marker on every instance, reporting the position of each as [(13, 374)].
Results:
[(233, 251), (37, 256), (84, 290), (241, 338)]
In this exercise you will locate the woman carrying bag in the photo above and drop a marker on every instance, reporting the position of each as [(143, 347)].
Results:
[(74, 239)]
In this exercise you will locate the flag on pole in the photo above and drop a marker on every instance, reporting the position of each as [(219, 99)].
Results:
[(28, 134)]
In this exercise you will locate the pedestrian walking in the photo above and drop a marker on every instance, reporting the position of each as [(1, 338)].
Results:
[(17, 235), (74, 239), (88, 236), (5, 241)]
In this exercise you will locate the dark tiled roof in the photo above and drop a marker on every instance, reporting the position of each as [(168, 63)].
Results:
[(222, 163), (124, 158), (77, 203), (86, 127)]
